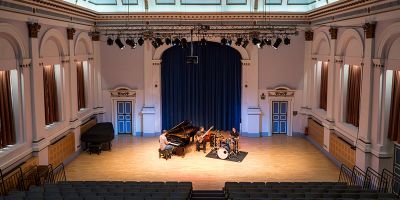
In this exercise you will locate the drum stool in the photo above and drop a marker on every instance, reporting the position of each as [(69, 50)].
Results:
[(164, 154)]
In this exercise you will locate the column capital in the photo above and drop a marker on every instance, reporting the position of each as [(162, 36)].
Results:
[(309, 35), (379, 63), (95, 35), (70, 33), (369, 29), (333, 32), (338, 59), (34, 29)]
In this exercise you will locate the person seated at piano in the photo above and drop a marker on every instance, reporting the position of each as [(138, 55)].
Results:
[(234, 134), (199, 138), (164, 144)]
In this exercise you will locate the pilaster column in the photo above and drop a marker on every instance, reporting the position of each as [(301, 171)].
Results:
[(70, 76), (312, 82), (367, 81), (363, 158), (337, 89), (25, 69), (332, 79), (97, 64), (39, 143), (309, 36), (150, 107), (36, 77)]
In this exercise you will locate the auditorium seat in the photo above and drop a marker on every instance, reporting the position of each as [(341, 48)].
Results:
[(105, 190), (300, 191)]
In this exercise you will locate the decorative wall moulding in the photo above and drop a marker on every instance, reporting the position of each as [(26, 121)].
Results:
[(380, 63), (123, 92), (281, 92), (333, 32), (245, 62), (339, 59)]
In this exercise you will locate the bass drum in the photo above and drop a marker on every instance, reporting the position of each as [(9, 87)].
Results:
[(223, 153)]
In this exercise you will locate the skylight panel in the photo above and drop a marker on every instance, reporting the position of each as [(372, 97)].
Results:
[(200, 2)]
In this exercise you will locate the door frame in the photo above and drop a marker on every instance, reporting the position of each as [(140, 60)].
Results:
[(272, 114), (122, 94), (116, 117), (282, 94)]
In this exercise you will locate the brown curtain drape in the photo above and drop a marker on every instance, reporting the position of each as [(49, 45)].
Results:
[(353, 95), (7, 129), (50, 95), (394, 121), (81, 86), (324, 86)]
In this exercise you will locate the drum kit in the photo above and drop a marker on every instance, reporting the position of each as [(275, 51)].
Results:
[(225, 148)]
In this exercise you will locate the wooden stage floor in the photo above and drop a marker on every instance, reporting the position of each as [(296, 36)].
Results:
[(276, 158)]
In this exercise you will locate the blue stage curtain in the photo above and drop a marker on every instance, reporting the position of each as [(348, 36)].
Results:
[(207, 93)]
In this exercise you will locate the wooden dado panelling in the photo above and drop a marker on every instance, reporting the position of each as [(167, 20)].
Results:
[(31, 162), (89, 124), (62, 149), (341, 150), (316, 131)]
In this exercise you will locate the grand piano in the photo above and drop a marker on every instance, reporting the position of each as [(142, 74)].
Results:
[(181, 133)]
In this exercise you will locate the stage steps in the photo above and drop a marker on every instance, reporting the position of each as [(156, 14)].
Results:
[(208, 194)]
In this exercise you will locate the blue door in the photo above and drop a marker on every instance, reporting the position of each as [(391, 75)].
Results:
[(124, 117), (279, 117)]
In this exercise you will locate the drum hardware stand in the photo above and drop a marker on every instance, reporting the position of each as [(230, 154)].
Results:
[(215, 147)]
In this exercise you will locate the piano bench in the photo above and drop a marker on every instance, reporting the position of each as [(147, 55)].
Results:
[(164, 154)]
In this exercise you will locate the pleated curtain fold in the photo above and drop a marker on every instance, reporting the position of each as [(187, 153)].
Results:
[(7, 129), (324, 87), (50, 95), (81, 86), (394, 120), (353, 95)]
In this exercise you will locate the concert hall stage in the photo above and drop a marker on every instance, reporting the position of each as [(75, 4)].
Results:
[(276, 158)]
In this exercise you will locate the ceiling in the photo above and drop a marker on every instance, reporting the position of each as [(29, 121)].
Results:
[(183, 6)]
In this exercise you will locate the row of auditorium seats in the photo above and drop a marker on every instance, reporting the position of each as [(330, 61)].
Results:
[(92, 190), (299, 190)]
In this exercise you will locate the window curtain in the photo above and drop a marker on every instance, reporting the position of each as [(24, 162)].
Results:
[(353, 95), (394, 121), (81, 86), (50, 95), (207, 93), (7, 129), (324, 86)]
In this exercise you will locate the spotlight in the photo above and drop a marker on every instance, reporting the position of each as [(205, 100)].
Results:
[(155, 44), (176, 42), (140, 41), (256, 41), (286, 41), (184, 43), (223, 41), (131, 43), (278, 41), (245, 43), (119, 43), (110, 41), (167, 41), (239, 41), (159, 41), (262, 44), (203, 42), (268, 42), (229, 42)]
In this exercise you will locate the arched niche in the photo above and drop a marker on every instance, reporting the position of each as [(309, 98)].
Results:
[(321, 44), (389, 46), (159, 51), (12, 51), (350, 46), (83, 45), (53, 47)]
